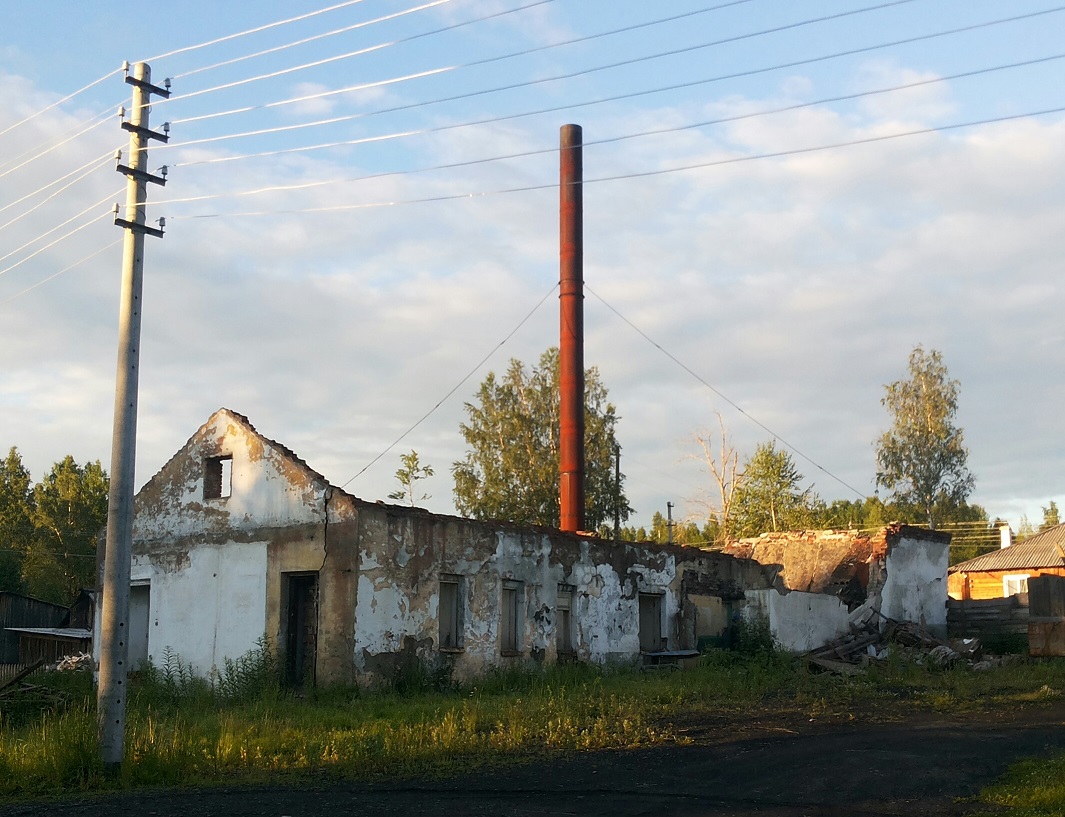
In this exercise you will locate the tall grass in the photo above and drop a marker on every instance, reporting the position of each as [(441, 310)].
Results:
[(245, 728)]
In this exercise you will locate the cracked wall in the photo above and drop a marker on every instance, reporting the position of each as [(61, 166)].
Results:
[(829, 580), (218, 568)]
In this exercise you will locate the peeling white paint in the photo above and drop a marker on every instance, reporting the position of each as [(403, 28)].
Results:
[(217, 569), (915, 588)]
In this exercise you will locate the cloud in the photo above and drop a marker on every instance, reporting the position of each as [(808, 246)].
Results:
[(794, 286)]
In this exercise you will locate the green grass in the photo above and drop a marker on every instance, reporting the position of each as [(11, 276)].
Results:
[(1031, 788), (246, 729)]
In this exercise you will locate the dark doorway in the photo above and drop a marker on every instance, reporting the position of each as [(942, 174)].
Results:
[(301, 627)]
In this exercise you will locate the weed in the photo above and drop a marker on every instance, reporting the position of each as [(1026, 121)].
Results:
[(254, 674), (417, 675), (245, 730), (752, 637)]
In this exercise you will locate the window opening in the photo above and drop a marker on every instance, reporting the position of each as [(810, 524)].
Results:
[(510, 625), (1012, 584), (450, 612), (218, 477)]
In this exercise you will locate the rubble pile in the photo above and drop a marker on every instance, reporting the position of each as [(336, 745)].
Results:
[(867, 643), (79, 662)]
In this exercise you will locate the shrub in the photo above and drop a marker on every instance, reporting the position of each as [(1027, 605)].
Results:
[(753, 637)]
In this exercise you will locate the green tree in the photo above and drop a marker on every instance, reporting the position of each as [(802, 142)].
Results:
[(858, 514), (770, 497), (16, 519), (922, 459), (511, 470), (410, 472), (69, 511), (1050, 516), (1024, 530)]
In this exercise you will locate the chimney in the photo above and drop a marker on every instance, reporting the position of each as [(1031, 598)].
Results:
[(1005, 535), (571, 330)]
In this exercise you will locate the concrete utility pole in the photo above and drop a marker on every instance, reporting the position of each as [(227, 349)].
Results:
[(571, 334), (114, 606)]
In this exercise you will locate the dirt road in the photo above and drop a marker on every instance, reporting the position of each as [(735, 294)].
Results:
[(917, 766)]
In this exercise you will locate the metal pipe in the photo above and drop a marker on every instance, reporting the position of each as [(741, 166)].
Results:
[(571, 330)]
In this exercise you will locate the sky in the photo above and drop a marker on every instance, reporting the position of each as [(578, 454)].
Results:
[(782, 199)]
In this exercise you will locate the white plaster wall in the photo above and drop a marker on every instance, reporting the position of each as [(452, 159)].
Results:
[(605, 606), (608, 613), (384, 613), (799, 621), (916, 585), (263, 492), (212, 609), (526, 559)]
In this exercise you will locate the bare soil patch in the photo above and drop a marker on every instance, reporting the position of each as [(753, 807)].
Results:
[(855, 764)]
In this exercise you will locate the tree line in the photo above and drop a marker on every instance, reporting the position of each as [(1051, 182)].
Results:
[(48, 530), (510, 470)]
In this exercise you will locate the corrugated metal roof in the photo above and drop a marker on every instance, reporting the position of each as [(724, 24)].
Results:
[(1046, 549), (56, 632)]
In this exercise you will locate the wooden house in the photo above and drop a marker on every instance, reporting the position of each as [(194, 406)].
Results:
[(1005, 572)]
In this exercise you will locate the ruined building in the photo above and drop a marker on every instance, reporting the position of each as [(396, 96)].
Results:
[(236, 538)]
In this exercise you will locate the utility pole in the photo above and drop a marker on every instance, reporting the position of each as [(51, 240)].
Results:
[(114, 606), (669, 521)]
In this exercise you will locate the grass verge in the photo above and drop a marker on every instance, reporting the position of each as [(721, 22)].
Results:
[(1031, 788), (248, 730)]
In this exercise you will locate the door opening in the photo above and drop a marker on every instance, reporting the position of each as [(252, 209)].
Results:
[(300, 637)]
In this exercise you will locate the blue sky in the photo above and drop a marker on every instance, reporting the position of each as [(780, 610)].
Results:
[(795, 284)]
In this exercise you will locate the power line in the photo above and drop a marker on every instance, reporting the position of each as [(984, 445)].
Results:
[(590, 143), (49, 232), (64, 270), (255, 30), (63, 237), (112, 110), (511, 55), (90, 166), (39, 154), (313, 38), (457, 386), (641, 174), (569, 106), (495, 119), (735, 405), (361, 51), (59, 102)]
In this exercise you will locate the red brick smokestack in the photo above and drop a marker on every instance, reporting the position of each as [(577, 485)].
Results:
[(571, 330)]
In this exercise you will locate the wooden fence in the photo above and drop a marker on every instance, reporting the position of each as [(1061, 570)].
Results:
[(984, 617), (9, 671)]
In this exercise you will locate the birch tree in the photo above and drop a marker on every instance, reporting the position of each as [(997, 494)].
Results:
[(770, 497), (922, 459), (722, 462)]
